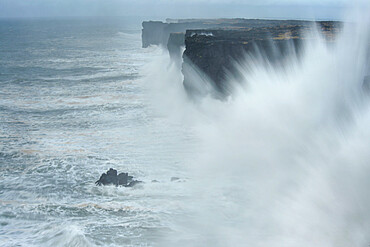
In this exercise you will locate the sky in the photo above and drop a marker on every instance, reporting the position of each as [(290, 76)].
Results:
[(305, 9)]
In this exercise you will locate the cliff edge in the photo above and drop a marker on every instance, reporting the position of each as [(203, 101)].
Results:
[(213, 53)]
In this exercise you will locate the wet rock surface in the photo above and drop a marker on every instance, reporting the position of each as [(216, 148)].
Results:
[(213, 53), (213, 46), (158, 32), (111, 177), (175, 46)]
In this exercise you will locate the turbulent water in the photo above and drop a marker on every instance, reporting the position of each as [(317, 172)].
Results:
[(72, 106), (285, 161)]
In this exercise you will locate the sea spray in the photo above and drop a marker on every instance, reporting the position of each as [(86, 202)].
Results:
[(285, 160)]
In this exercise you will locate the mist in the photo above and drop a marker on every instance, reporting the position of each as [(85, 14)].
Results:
[(282, 161)]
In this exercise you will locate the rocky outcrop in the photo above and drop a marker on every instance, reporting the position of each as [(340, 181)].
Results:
[(212, 54), (112, 178), (175, 46), (366, 84), (212, 46), (158, 32), (153, 33)]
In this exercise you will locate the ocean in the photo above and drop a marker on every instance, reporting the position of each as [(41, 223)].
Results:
[(283, 161), (71, 107)]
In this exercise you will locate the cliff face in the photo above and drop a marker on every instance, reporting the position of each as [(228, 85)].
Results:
[(175, 45), (214, 45), (153, 33), (158, 33), (214, 52)]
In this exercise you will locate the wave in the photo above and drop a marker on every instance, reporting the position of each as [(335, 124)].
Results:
[(284, 161)]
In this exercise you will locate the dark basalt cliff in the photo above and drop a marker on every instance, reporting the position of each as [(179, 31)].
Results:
[(158, 32), (213, 53), (175, 45), (212, 46), (153, 33)]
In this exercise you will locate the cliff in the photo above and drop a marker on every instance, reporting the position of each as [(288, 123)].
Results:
[(153, 33), (158, 32), (212, 46), (213, 53), (175, 45)]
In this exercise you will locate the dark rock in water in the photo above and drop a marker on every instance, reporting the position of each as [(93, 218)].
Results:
[(111, 178), (174, 179), (133, 183), (366, 84), (112, 172)]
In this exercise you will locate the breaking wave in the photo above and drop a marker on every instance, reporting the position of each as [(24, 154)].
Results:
[(285, 160)]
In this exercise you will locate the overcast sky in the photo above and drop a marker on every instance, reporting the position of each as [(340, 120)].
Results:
[(176, 8)]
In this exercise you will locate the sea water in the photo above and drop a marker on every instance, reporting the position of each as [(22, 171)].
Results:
[(72, 105), (283, 161)]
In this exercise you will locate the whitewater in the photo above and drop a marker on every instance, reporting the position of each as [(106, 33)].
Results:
[(285, 159)]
